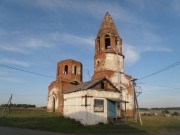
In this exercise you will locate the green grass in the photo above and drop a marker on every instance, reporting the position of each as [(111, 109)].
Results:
[(159, 124), (55, 122)]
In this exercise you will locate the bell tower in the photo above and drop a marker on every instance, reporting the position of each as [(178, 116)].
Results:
[(108, 58)]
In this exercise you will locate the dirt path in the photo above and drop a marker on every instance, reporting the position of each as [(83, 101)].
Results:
[(19, 131)]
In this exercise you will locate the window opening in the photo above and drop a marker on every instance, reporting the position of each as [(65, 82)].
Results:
[(66, 69), (107, 42), (102, 85), (75, 71), (98, 43), (98, 105), (54, 104), (98, 63)]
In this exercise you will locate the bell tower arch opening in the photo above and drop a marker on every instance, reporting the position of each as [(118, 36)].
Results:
[(75, 70), (66, 69), (107, 42), (110, 51)]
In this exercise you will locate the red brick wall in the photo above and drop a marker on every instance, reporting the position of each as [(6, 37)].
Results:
[(63, 81), (70, 76)]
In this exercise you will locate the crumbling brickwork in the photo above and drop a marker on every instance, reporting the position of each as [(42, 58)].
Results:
[(69, 74), (109, 60)]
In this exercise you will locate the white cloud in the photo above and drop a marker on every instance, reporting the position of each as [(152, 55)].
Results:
[(149, 36), (95, 8), (73, 39), (153, 49), (14, 80), (133, 53), (35, 43), (14, 62), (13, 49)]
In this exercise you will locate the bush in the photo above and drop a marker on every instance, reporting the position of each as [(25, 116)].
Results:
[(175, 114), (165, 111)]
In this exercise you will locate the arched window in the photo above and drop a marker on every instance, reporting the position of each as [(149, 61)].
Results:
[(98, 63), (107, 42), (75, 70), (98, 44), (66, 69)]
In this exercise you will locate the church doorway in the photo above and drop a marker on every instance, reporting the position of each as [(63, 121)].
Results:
[(54, 104)]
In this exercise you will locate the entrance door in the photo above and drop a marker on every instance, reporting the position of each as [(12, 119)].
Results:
[(54, 104), (111, 108)]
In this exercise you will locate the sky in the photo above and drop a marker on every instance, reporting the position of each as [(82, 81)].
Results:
[(36, 34)]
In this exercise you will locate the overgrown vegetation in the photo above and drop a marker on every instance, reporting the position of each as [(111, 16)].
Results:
[(19, 105), (161, 108), (41, 120)]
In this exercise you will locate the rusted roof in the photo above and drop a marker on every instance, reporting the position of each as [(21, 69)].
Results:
[(88, 85)]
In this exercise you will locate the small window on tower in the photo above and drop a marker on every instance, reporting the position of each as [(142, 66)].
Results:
[(66, 69), (75, 71), (98, 44), (107, 42), (98, 63)]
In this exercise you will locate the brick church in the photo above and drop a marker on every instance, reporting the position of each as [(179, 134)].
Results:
[(109, 89)]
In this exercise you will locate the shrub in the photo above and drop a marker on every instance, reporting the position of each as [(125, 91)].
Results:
[(175, 114)]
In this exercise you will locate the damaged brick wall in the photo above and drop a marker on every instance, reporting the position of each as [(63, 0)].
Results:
[(106, 62), (69, 74)]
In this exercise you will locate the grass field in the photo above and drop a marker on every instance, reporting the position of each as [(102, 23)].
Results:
[(37, 119)]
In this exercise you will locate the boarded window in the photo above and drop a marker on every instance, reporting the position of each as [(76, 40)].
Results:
[(66, 69), (98, 105), (107, 42)]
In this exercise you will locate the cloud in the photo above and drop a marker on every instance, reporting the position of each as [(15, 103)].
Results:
[(14, 80), (35, 43), (25, 46), (73, 39), (13, 49), (154, 49), (14, 62), (94, 8), (133, 53), (24, 43)]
